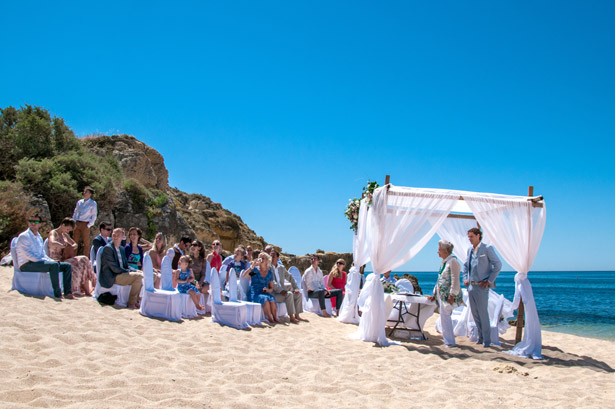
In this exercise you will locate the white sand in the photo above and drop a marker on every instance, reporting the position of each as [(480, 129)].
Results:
[(77, 354)]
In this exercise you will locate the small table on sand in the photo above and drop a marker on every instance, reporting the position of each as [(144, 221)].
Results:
[(409, 310)]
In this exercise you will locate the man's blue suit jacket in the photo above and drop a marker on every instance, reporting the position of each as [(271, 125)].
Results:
[(110, 266), (486, 265)]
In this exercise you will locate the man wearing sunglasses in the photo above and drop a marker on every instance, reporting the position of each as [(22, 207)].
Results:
[(103, 238), (31, 258)]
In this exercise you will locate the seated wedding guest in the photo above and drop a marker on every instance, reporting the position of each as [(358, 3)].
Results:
[(31, 258), (180, 249), (114, 268), (230, 258), (134, 252), (316, 287), (199, 265), (156, 253), (183, 279), (103, 238), (337, 279), (237, 264), (63, 248), (269, 250), (261, 286), (447, 292), (85, 214), (388, 278), (285, 289), (214, 258)]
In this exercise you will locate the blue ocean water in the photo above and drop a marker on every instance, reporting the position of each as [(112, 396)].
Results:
[(574, 302)]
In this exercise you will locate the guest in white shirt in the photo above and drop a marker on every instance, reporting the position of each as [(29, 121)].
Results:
[(313, 279), (85, 215), (31, 258)]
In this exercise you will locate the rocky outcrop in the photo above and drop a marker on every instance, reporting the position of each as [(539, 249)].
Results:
[(138, 160), (174, 212), (327, 260), (210, 221)]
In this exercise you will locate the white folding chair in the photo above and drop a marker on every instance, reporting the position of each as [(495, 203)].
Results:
[(30, 283), (158, 303), (255, 310), (233, 314), (121, 291)]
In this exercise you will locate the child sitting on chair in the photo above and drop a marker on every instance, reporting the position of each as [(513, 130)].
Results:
[(183, 279)]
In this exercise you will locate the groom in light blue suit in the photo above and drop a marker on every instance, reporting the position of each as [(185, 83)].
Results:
[(480, 270)]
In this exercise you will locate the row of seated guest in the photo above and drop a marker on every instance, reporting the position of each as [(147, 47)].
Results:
[(314, 282), (63, 248)]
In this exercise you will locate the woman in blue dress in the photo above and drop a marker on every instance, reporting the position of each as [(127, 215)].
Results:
[(261, 285), (183, 279)]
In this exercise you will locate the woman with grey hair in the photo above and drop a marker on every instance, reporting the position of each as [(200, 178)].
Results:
[(447, 291)]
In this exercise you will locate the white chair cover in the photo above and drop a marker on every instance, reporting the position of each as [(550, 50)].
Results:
[(30, 283), (158, 303), (405, 285), (349, 312), (227, 313), (46, 247), (166, 271), (122, 291)]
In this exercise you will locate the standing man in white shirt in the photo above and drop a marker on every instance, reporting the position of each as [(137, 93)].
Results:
[(85, 215), (31, 258)]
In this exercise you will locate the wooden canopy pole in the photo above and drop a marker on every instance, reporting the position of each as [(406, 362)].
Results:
[(387, 179), (521, 310)]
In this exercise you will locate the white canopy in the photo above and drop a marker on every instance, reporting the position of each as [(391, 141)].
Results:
[(403, 219)]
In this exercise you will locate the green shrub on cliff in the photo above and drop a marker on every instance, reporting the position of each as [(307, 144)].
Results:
[(45, 158), (31, 132)]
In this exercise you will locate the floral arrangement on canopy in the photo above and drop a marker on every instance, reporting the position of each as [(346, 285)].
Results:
[(352, 209)]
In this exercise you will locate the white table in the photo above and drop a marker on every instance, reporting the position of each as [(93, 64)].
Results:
[(410, 311)]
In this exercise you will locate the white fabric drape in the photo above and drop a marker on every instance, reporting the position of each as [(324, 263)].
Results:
[(360, 240), (348, 311), (398, 227), (456, 231), (401, 225), (373, 313), (516, 229)]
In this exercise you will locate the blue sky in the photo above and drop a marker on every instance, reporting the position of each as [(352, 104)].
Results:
[(315, 98)]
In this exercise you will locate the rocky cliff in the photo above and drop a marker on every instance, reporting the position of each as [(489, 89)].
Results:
[(149, 201)]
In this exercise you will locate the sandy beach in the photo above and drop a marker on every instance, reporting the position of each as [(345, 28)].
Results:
[(77, 354)]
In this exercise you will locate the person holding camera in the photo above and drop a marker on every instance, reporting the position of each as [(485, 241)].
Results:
[(261, 285)]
